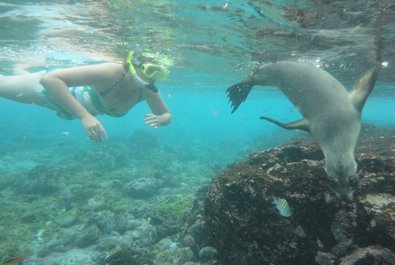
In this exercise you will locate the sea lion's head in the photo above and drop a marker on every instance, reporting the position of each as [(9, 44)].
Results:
[(338, 145), (341, 170)]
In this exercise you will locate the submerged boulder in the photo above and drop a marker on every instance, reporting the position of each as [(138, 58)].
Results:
[(237, 215)]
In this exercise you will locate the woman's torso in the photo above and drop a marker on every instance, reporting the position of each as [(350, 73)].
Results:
[(122, 97)]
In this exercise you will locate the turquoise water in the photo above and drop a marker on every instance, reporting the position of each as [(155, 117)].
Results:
[(214, 44)]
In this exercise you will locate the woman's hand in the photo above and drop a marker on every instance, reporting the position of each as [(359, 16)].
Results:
[(152, 120), (157, 120), (93, 128)]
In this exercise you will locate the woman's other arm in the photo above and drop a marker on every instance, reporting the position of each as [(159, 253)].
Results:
[(161, 115)]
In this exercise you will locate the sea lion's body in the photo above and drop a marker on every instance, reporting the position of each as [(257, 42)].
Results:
[(332, 115)]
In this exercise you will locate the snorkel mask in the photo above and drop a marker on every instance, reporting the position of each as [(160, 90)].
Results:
[(151, 65)]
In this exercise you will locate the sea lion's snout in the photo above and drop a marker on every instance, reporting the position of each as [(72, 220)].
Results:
[(344, 190), (342, 175)]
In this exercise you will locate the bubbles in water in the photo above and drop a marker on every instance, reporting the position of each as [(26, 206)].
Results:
[(385, 64)]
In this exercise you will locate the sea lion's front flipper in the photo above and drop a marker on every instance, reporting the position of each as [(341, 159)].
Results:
[(238, 93), (362, 88), (302, 124)]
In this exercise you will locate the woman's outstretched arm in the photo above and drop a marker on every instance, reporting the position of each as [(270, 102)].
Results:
[(57, 83)]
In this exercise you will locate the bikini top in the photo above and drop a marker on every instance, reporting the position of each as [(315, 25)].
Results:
[(114, 85), (143, 83)]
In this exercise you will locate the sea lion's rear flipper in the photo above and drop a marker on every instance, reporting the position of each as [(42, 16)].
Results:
[(302, 124), (238, 93), (362, 88)]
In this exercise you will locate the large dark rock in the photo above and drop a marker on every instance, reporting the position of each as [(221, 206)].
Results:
[(236, 214)]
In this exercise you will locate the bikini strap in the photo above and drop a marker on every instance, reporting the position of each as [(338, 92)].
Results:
[(111, 88)]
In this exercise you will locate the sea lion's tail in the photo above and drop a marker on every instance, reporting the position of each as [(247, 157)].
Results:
[(238, 93)]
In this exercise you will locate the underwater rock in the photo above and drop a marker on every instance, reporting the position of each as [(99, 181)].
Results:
[(88, 236), (124, 222), (236, 215), (189, 241), (104, 220), (105, 158), (44, 180), (72, 257), (108, 243), (167, 244), (166, 224), (143, 236), (208, 253), (68, 218), (63, 241), (183, 255), (143, 188), (126, 256), (369, 255)]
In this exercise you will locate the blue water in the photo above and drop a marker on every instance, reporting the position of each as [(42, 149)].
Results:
[(214, 45), (199, 117)]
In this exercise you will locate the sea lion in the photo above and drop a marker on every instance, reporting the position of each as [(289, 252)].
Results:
[(331, 114)]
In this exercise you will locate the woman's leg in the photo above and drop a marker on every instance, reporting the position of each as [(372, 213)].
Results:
[(22, 88)]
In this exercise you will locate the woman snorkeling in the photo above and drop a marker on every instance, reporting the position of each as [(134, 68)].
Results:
[(86, 91)]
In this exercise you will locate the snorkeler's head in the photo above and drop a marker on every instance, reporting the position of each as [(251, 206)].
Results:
[(152, 65)]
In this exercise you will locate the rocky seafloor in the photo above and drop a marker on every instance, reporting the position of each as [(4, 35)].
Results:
[(97, 207), (121, 202), (235, 214)]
